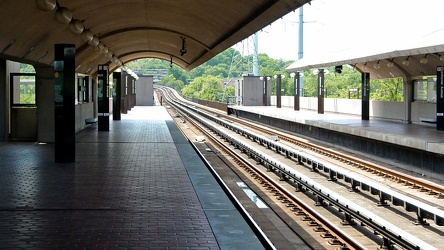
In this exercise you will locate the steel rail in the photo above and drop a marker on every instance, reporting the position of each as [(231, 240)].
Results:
[(394, 236)]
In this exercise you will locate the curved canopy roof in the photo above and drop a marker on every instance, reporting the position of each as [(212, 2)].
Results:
[(131, 29), (413, 61)]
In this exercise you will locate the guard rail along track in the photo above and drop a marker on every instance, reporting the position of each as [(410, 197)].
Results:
[(351, 210)]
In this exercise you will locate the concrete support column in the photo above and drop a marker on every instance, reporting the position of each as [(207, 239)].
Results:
[(103, 100), (321, 91), (365, 98), (296, 94), (440, 98), (266, 90), (264, 94), (64, 101), (408, 99), (278, 91), (45, 103), (117, 95), (3, 100)]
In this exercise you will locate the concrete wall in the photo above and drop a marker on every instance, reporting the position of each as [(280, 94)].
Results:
[(145, 91), (378, 109), (24, 122), (252, 91), (84, 111)]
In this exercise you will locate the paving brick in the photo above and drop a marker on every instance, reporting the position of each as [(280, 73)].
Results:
[(128, 189)]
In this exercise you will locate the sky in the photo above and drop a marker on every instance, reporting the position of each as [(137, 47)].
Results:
[(335, 25)]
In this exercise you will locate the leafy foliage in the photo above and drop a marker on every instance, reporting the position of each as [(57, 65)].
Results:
[(224, 65)]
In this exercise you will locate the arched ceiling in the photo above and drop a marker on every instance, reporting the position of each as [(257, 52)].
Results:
[(133, 29)]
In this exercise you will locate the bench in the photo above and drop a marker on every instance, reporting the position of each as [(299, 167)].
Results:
[(90, 121), (427, 120)]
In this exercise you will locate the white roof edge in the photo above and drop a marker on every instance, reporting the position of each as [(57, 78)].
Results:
[(347, 56)]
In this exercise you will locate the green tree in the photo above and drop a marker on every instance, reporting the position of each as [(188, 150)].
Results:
[(204, 87), (178, 73), (387, 89), (171, 81)]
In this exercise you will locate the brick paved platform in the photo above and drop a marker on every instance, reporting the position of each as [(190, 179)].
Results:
[(138, 186)]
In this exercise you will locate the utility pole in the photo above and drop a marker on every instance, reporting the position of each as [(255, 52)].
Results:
[(301, 47)]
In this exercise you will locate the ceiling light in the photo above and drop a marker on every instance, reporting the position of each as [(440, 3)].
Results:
[(104, 50), (390, 63), (76, 26), (94, 42), (423, 60), (46, 5), (63, 15), (406, 62), (100, 46), (87, 35), (376, 65)]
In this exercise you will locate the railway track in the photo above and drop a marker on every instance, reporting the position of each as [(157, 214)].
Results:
[(326, 231), (415, 183), (389, 236)]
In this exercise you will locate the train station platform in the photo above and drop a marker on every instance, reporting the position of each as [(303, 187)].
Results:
[(139, 186), (419, 145)]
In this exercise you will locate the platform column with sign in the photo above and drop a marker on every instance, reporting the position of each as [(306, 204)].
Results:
[(278, 91), (103, 98), (321, 91), (365, 99), (117, 94), (64, 103), (296, 94), (440, 98)]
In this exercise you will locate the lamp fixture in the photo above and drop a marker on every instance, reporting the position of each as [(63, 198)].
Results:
[(293, 74), (279, 76), (423, 60), (338, 69), (391, 63), (171, 62), (365, 66), (94, 42), (376, 65), (46, 5), (441, 58), (406, 62), (63, 15), (87, 35), (183, 51), (76, 26)]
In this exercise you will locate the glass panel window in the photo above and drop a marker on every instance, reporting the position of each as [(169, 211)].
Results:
[(24, 90), (424, 90)]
